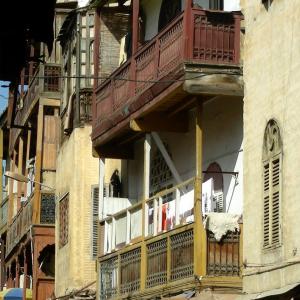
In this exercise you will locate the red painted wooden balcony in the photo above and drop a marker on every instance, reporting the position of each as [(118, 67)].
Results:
[(195, 36)]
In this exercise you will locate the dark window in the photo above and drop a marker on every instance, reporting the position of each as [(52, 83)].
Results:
[(168, 11)]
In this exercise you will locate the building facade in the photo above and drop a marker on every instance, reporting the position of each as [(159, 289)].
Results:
[(77, 170), (172, 111), (271, 256)]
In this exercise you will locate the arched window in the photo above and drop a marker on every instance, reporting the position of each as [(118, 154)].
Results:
[(272, 160), (213, 186)]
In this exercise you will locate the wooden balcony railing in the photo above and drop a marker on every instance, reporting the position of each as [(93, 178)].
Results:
[(45, 80), (22, 222), (194, 36), (19, 226), (151, 245)]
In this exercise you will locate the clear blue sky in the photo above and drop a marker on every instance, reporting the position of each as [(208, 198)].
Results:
[(3, 96)]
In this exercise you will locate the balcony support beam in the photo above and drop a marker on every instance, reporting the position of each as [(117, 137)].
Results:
[(160, 122), (199, 231)]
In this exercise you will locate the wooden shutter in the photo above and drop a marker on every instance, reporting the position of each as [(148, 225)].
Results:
[(50, 142), (266, 219), (95, 218), (276, 200), (271, 185)]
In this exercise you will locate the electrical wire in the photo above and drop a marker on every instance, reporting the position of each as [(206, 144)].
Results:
[(121, 78)]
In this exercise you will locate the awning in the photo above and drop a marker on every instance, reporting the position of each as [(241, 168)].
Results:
[(270, 293), (15, 294)]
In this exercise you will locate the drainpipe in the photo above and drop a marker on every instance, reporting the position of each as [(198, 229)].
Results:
[(78, 70)]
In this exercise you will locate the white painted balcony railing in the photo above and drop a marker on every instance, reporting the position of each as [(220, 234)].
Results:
[(162, 212)]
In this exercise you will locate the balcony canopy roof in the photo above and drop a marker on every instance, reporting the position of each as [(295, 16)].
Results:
[(20, 23)]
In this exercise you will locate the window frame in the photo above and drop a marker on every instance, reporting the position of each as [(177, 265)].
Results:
[(270, 155), (63, 228)]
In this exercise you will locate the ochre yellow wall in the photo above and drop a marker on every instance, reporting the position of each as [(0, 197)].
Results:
[(76, 172)]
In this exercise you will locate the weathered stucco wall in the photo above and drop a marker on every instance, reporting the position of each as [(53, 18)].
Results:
[(271, 74), (77, 171)]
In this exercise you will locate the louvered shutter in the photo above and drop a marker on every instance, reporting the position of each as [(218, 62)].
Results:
[(95, 210), (276, 200), (266, 220), (271, 181)]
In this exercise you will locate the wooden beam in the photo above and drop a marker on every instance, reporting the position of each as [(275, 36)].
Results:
[(38, 163), (114, 151), (161, 123), (20, 170), (200, 248), (182, 106)]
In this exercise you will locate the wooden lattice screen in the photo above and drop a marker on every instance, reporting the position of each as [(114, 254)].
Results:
[(64, 221)]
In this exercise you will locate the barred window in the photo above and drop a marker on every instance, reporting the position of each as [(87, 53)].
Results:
[(272, 161), (64, 221)]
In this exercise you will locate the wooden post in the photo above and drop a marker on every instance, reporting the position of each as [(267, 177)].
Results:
[(22, 82), (146, 188), (155, 216), (237, 38), (38, 165), (146, 191), (199, 231), (31, 64), (188, 35), (96, 63), (169, 258), (20, 171), (11, 197), (17, 283), (177, 207), (102, 213), (159, 229), (27, 157), (128, 221), (25, 275), (135, 25)]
